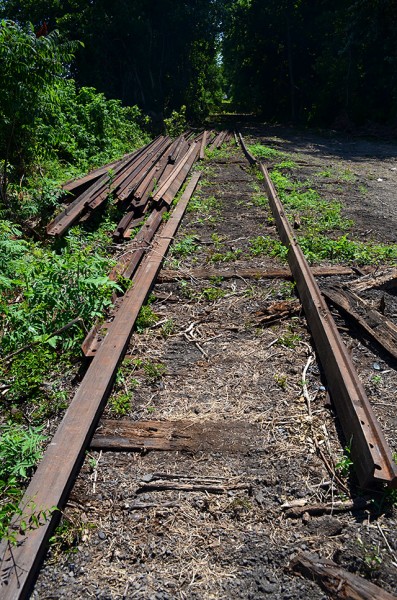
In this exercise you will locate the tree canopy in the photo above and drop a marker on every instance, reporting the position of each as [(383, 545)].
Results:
[(304, 61), (313, 61), (158, 54)]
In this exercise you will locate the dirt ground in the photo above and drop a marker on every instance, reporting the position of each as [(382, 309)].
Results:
[(210, 359)]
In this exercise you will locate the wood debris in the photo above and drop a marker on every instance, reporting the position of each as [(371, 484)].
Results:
[(380, 329), (337, 581)]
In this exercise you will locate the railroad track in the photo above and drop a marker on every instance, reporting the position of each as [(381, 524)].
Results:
[(132, 181)]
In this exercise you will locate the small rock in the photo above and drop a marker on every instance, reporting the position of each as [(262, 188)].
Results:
[(147, 478), (377, 366), (102, 535)]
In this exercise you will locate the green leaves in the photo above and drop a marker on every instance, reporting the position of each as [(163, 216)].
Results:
[(30, 69), (51, 288), (20, 450)]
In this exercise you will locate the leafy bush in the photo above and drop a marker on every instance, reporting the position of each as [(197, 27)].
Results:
[(51, 288), (30, 71), (176, 124), (45, 119), (85, 128)]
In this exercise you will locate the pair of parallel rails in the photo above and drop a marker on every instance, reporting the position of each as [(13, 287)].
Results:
[(64, 456)]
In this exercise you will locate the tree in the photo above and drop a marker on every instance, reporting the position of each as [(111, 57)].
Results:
[(159, 54), (312, 62), (30, 68)]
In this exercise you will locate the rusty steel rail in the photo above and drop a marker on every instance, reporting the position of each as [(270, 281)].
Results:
[(128, 264), (73, 184), (99, 190), (64, 456), (174, 174), (371, 455), (203, 145), (250, 157)]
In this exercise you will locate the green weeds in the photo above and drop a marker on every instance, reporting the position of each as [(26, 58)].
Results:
[(207, 209), (281, 380), (265, 152), (213, 293), (320, 223), (146, 318), (218, 153), (153, 371), (188, 245), (20, 449), (167, 328), (268, 246), (289, 339), (345, 463), (228, 256)]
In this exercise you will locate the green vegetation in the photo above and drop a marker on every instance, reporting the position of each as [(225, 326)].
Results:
[(168, 328), (207, 209), (69, 534), (184, 35), (20, 449), (51, 292), (176, 124), (153, 371), (146, 318), (218, 153), (321, 222), (281, 380), (290, 338), (188, 245), (344, 464), (268, 246), (213, 293), (50, 129), (322, 60), (228, 256), (265, 152)]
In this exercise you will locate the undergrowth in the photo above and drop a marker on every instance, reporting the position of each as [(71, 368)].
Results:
[(50, 295), (20, 449)]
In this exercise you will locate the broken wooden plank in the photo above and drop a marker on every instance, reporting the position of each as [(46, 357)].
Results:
[(382, 279), (191, 487), (167, 275), (337, 581), (376, 325), (176, 436), (276, 311)]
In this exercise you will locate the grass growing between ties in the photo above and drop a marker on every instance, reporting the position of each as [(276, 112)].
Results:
[(207, 209), (185, 247), (223, 152), (265, 152)]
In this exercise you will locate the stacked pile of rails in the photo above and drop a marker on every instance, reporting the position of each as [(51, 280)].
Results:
[(144, 184), (140, 182)]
